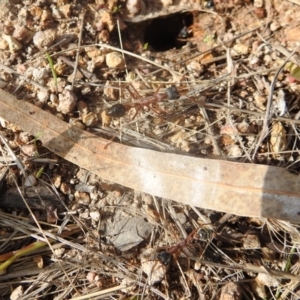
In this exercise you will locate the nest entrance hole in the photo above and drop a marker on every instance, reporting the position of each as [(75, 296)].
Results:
[(163, 34)]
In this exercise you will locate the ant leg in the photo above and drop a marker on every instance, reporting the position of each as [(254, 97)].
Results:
[(184, 280), (158, 111), (135, 94), (138, 107), (112, 139), (157, 90)]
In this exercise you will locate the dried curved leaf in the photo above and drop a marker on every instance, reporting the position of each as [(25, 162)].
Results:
[(242, 189), (151, 266)]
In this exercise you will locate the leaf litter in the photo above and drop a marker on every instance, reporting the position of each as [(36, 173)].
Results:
[(227, 110)]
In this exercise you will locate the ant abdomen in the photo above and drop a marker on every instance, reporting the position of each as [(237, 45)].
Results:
[(172, 93), (116, 111)]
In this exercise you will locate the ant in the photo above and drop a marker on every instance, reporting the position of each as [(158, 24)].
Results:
[(156, 270), (119, 110), (166, 256)]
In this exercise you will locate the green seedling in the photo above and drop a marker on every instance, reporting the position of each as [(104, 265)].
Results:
[(39, 172), (294, 70), (10, 257), (52, 69), (146, 46)]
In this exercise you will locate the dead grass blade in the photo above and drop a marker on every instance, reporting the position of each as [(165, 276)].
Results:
[(242, 189)]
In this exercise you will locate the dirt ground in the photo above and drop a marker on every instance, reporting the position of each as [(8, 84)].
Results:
[(206, 79)]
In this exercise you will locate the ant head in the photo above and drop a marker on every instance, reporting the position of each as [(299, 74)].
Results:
[(204, 234), (165, 257)]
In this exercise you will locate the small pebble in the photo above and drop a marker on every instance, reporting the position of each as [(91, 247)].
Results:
[(267, 59), (30, 180), (85, 214), (82, 107), (195, 67), (258, 3), (3, 84), (29, 150), (67, 101), (24, 137), (114, 60), (241, 49), (43, 96), (251, 241), (13, 44), (40, 73), (133, 7), (90, 119), (95, 215), (82, 198), (274, 26), (45, 38), (56, 180), (3, 44), (65, 188), (23, 34)]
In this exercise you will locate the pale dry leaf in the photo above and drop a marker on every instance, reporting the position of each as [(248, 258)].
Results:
[(208, 183), (29, 150), (267, 280), (90, 276), (195, 278), (231, 291), (59, 252), (278, 139), (17, 293), (251, 241), (180, 140), (152, 267), (241, 49), (242, 127), (281, 103), (229, 130), (227, 140), (234, 151), (268, 254), (95, 215), (151, 214), (90, 119), (258, 289), (259, 100)]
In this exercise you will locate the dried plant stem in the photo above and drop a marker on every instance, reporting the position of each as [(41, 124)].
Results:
[(10, 257)]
